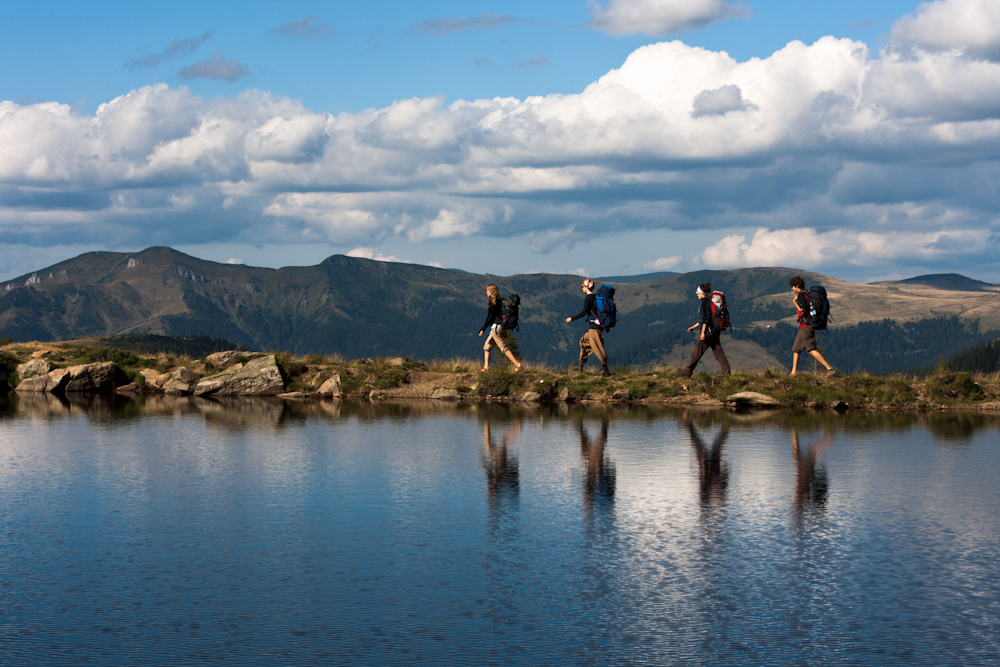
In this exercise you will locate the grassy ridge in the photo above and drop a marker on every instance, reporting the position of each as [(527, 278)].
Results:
[(402, 378)]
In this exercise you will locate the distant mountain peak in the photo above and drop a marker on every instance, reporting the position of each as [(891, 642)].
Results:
[(947, 281)]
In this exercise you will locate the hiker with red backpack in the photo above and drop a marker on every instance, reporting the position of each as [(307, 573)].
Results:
[(813, 309), (713, 318)]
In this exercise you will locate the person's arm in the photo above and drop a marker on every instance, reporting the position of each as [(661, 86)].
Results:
[(491, 316), (588, 307)]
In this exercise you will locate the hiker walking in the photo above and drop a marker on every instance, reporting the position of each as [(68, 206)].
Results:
[(805, 340), (593, 340), (498, 334), (710, 322)]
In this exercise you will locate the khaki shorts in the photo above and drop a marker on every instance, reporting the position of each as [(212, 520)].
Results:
[(496, 338), (805, 341)]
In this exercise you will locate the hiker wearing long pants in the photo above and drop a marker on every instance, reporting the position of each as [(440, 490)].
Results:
[(592, 342), (708, 338)]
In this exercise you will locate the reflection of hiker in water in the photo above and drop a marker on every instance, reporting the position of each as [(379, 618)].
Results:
[(503, 479), (811, 483), (713, 474), (599, 481)]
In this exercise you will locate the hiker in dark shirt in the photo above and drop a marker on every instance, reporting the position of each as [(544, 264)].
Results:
[(805, 340), (593, 340), (498, 335), (709, 335)]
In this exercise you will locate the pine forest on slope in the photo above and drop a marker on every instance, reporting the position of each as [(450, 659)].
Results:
[(362, 308)]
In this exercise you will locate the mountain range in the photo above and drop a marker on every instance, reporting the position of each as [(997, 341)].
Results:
[(359, 307)]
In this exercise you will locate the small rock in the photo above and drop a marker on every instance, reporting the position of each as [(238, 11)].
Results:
[(446, 395), (154, 379), (40, 353), (294, 395), (565, 396), (33, 368), (331, 388), (221, 359), (621, 395), (709, 403), (397, 361), (182, 381), (839, 406), (530, 397), (130, 388), (752, 399)]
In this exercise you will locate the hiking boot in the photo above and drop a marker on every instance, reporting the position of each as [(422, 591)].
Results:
[(576, 368), (832, 373), (604, 372)]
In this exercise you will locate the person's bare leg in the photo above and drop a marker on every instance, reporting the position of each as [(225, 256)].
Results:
[(517, 364), (819, 357), (795, 363), (486, 360)]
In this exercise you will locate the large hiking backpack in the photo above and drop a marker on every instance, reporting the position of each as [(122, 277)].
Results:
[(819, 307), (720, 312), (607, 311), (510, 309)]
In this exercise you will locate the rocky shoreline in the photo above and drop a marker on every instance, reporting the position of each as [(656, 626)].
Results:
[(53, 368)]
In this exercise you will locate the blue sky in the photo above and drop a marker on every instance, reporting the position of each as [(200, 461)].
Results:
[(856, 139)]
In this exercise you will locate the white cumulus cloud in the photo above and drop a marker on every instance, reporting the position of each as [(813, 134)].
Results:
[(967, 26)]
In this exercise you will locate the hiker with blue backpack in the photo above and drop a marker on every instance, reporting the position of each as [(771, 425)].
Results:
[(501, 316), (713, 318), (601, 313), (813, 310)]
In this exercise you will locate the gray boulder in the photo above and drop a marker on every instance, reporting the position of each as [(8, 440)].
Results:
[(56, 380), (182, 381), (752, 399), (446, 395), (33, 368), (155, 379), (102, 376), (530, 397), (331, 388), (621, 395), (36, 383), (258, 377), (565, 396)]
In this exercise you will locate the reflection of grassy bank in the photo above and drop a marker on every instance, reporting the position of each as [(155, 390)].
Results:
[(385, 378)]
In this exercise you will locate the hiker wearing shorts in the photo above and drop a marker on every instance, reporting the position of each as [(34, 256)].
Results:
[(805, 341), (709, 336), (592, 342), (498, 335)]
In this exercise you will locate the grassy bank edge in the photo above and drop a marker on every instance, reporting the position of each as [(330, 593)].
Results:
[(402, 378)]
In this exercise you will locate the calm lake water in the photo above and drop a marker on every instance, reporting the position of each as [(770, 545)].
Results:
[(189, 531)]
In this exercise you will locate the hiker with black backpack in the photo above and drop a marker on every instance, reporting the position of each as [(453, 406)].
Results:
[(712, 319), (813, 310), (601, 313), (499, 322)]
